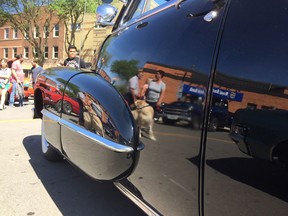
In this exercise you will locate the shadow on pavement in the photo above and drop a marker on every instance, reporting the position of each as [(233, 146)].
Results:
[(73, 192)]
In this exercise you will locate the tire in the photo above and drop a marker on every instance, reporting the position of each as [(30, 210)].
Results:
[(213, 124), (168, 121), (67, 107), (195, 122), (58, 106), (49, 153)]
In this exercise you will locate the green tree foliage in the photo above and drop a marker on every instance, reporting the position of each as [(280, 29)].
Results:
[(3, 19), (72, 12), (125, 68), (27, 16)]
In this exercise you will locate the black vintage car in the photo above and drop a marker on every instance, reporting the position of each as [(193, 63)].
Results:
[(232, 49)]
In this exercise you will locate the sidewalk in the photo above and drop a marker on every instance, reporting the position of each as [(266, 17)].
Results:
[(13, 113)]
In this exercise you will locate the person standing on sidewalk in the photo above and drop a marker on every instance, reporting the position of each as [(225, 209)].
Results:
[(73, 60), (17, 77), (5, 74), (36, 69)]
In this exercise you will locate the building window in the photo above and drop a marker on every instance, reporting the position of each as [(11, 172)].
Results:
[(36, 32), (26, 34), (75, 27), (55, 52), (46, 53), (6, 33), (5, 54), (46, 31), (15, 33), (14, 53), (267, 107), (251, 106), (56, 31), (26, 52), (35, 53)]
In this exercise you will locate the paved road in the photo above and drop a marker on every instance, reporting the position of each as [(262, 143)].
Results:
[(30, 185)]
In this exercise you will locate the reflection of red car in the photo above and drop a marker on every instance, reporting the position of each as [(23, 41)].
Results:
[(69, 105), (53, 96), (28, 90)]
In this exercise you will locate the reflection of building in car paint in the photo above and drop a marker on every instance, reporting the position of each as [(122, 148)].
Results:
[(217, 92), (241, 93)]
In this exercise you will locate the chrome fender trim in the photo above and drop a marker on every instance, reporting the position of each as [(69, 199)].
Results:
[(87, 134), (145, 207)]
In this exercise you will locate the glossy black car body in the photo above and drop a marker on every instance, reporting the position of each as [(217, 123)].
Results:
[(191, 113), (233, 49), (262, 134)]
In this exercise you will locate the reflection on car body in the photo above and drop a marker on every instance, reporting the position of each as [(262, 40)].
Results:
[(261, 133), (191, 110), (218, 54)]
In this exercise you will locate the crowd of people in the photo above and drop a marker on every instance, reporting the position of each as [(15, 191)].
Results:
[(12, 76)]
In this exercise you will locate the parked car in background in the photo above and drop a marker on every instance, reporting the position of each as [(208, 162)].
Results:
[(228, 49)]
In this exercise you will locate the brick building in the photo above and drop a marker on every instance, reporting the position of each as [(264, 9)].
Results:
[(251, 94), (12, 42)]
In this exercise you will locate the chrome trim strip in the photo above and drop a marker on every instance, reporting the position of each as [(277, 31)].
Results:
[(87, 134), (50, 115), (147, 209)]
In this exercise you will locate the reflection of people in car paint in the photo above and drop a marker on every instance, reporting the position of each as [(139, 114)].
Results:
[(134, 92), (88, 117), (155, 92)]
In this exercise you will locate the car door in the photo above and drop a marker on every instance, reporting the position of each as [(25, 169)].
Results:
[(179, 39), (242, 176)]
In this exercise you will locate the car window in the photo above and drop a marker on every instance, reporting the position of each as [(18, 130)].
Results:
[(151, 4), (139, 8)]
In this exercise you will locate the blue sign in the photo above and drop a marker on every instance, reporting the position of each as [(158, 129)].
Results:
[(230, 95)]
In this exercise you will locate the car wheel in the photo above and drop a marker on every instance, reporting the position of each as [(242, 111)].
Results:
[(58, 106), (213, 125), (195, 122), (67, 107), (168, 121), (49, 153)]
